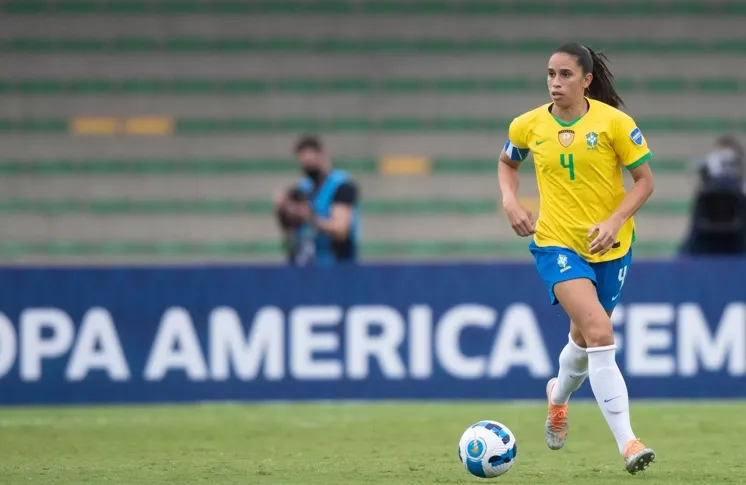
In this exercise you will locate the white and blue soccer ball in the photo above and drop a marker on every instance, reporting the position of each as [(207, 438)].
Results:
[(487, 449)]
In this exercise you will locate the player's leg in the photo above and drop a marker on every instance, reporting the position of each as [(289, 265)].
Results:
[(556, 265), (581, 301), (610, 278), (573, 368)]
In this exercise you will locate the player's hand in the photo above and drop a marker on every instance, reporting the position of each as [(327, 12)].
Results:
[(521, 219), (606, 234)]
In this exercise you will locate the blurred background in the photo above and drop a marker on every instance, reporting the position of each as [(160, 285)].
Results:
[(160, 130), (178, 142)]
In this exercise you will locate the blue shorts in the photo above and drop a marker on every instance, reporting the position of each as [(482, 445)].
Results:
[(557, 264)]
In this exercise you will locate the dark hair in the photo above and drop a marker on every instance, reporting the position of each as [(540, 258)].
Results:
[(309, 142), (729, 141), (602, 86)]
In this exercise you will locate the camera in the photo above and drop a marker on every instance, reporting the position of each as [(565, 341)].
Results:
[(297, 195)]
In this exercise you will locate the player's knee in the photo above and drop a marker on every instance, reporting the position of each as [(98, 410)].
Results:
[(600, 334), (577, 337)]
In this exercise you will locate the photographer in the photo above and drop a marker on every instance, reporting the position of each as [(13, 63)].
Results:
[(723, 165), (319, 216), (718, 223)]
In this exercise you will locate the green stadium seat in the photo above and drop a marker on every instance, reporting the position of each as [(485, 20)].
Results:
[(335, 85), (263, 207), (396, 125), (434, 46), (416, 7), (150, 130)]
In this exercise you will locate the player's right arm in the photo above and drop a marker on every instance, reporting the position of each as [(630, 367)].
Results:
[(513, 153)]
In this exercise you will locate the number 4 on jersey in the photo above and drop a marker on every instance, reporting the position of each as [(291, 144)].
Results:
[(568, 163)]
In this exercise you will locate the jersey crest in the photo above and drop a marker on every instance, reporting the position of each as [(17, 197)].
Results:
[(592, 140), (566, 137)]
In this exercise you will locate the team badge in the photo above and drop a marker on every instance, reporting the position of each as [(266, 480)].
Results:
[(592, 140), (562, 263), (636, 136), (566, 137)]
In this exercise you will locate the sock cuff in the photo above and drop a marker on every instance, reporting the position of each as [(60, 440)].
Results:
[(574, 345), (605, 348)]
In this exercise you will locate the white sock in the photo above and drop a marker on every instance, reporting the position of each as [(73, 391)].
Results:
[(611, 392), (573, 369)]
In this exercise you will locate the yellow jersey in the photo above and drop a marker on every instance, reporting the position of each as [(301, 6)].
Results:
[(579, 172)]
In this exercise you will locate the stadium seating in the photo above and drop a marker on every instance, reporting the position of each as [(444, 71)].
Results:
[(147, 130)]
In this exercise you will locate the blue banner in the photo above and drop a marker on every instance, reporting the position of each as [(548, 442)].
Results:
[(82, 335)]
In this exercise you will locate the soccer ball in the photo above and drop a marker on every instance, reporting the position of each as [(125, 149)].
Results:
[(487, 449)]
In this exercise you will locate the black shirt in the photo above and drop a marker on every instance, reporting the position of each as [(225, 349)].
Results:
[(346, 194)]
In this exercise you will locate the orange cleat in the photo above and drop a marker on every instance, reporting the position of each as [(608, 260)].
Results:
[(637, 457), (555, 429)]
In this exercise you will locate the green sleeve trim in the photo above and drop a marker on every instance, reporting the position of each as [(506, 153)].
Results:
[(639, 161)]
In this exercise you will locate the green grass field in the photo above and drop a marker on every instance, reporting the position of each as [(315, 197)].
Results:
[(352, 444)]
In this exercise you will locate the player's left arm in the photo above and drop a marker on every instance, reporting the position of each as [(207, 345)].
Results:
[(638, 195), (339, 224), (632, 150)]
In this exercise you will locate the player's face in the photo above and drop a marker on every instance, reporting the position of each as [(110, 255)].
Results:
[(565, 79)]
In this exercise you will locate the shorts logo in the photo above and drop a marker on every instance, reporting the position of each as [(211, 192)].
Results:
[(636, 136), (566, 137), (562, 263), (592, 140), (476, 449)]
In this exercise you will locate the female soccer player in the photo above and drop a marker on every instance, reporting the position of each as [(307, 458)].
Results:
[(585, 229)]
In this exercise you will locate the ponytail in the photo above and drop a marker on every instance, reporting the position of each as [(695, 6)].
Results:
[(602, 85)]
